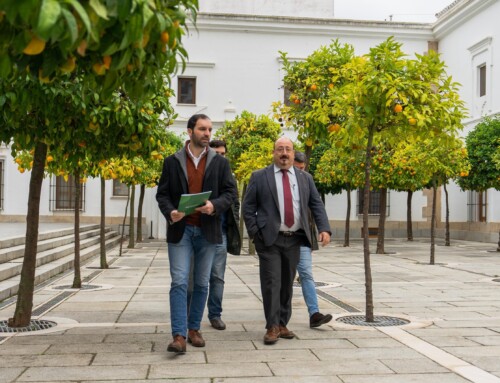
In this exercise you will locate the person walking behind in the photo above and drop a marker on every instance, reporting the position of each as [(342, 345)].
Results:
[(275, 210), (304, 268), (193, 169), (231, 243)]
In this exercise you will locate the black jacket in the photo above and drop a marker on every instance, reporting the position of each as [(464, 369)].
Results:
[(173, 183)]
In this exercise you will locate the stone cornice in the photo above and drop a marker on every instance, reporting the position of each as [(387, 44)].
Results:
[(312, 26), (456, 14)]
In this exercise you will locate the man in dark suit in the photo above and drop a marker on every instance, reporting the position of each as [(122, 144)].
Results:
[(275, 210), (193, 169)]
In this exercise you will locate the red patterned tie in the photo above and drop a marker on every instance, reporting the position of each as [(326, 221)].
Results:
[(287, 198)]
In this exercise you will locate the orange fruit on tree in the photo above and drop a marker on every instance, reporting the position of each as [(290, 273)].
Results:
[(50, 158), (314, 87), (412, 121), (99, 69), (330, 86), (309, 142), (69, 65), (398, 108), (164, 37), (296, 101), (35, 46), (106, 61), (333, 128)]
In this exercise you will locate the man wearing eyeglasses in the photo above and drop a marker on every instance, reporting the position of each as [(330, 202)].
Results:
[(275, 210)]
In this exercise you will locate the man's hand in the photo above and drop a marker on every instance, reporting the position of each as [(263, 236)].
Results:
[(324, 238), (208, 208), (176, 216)]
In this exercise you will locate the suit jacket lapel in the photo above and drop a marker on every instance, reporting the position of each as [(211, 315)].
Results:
[(271, 180)]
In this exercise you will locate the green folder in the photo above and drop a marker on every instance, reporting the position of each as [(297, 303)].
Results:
[(189, 202)]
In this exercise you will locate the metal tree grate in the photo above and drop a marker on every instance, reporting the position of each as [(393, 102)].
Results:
[(316, 284), (84, 287), (379, 321), (35, 325)]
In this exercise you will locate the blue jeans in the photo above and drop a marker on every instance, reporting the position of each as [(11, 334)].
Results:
[(304, 268), (192, 246), (216, 289)]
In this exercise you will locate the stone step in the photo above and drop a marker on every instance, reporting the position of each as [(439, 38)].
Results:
[(13, 267), (21, 240), (9, 253), (9, 287)]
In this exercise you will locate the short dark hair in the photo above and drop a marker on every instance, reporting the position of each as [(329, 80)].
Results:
[(300, 157), (217, 144), (194, 119)]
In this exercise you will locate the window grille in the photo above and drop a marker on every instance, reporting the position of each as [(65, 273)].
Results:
[(477, 203), (186, 92), (119, 189), (62, 194), (482, 80), (374, 207)]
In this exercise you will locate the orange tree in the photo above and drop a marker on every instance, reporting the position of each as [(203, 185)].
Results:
[(117, 43), (130, 44), (388, 95), (483, 145), (308, 83), (250, 141)]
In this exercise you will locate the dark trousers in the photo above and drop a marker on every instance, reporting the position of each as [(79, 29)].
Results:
[(278, 265)]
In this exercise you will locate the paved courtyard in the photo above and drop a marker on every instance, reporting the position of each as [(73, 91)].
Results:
[(117, 329)]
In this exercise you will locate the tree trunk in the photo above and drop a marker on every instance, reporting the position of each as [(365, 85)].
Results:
[(433, 220), (102, 234), (124, 220), (131, 227), (381, 221), (24, 305), (447, 230), (348, 219), (366, 240), (498, 244), (139, 214), (409, 224), (77, 280)]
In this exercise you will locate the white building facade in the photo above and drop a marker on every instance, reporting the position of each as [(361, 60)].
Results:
[(234, 66)]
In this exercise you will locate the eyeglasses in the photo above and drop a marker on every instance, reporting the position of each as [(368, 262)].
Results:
[(284, 149)]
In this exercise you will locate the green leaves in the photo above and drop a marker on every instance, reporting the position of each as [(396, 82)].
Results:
[(50, 11)]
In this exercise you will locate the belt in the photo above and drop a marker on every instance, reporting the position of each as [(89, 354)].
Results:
[(291, 233)]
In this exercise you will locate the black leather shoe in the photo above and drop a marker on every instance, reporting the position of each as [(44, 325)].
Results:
[(317, 319), (218, 324)]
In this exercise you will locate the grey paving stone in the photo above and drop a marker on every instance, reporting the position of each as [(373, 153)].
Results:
[(57, 339), (262, 356), (412, 366), (45, 360), (281, 379), (149, 358), (335, 354), (9, 374), (404, 378), (94, 348), (56, 374), (327, 368), (220, 370), (22, 349)]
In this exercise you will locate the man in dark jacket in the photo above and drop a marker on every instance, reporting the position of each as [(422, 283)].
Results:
[(231, 243), (193, 169), (276, 212)]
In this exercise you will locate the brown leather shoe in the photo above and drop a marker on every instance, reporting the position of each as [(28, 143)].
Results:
[(178, 345), (195, 338), (272, 335), (286, 333)]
